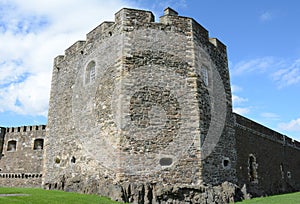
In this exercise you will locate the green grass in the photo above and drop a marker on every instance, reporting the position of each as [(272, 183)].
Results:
[(291, 198), (41, 196)]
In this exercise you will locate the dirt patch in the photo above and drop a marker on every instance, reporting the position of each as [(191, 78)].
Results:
[(6, 195)]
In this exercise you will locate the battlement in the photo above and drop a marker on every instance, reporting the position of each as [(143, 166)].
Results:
[(103, 29), (25, 128), (258, 129), (291, 142), (217, 43), (133, 17), (127, 20), (77, 46)]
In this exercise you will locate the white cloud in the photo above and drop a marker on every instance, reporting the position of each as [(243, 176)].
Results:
[(32, 33), (236, 88), (266, 16), (238, 100), (283, 72), (288, 76), (270, 116), (293, 125), (259, 65), (241, 111)]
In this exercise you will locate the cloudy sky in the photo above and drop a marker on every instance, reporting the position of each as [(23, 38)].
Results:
[(262, 39)]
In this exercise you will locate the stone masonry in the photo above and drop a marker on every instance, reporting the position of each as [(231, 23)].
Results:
[(141, 102), (21, 162), (141, 111)]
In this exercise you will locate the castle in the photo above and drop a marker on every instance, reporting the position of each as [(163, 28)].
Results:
[(141, 111)]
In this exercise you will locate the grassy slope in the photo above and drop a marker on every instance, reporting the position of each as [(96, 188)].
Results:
[(291, 198), (40, 196)]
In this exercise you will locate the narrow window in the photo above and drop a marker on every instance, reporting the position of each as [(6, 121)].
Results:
[(252, 169), (12, 146), (38, 144), (281, 171), (204, 73), (90, 72)]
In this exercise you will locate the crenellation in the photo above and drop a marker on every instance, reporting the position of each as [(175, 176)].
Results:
[(178, 24), (133, 17), (290, 142), (200, 34), (76, 47), (58, 60), (170, 11), (297, 144), (218, 44), (105, 29)]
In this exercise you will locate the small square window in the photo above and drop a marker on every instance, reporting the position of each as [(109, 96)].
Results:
[(12, 146)]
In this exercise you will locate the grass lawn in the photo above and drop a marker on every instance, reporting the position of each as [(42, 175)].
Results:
[(41, 196), (291, 198)]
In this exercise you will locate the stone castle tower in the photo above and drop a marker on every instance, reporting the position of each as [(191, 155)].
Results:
[(142, 112), (141, 102)]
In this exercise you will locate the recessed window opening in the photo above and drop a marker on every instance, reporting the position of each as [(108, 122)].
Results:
[(90, 72), (38, 144), (252, 168), (12, 146), (281, 171), (226, 163), (204, 72)]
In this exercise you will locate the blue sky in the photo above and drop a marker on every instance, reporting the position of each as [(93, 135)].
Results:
[(262, 38)]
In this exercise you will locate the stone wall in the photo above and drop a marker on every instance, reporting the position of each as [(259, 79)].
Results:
[(268, 162), (22, 152), (141, 102)]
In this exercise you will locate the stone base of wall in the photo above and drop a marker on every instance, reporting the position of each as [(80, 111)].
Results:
[(151, 192)]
